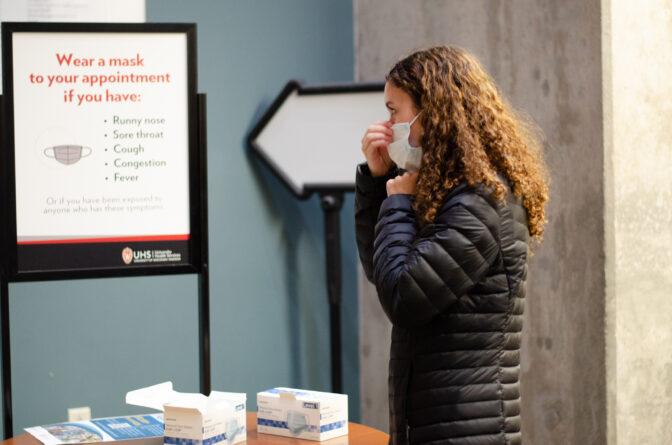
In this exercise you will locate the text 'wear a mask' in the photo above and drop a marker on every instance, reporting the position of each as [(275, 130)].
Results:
[(400, 149)]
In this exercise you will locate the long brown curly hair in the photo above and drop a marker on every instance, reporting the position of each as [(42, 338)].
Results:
[(470, 134)]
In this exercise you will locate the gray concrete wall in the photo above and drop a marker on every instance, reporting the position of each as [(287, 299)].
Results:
[(638, 144), (545, 56)]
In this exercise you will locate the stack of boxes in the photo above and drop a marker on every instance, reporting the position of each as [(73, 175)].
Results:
[(194, 419)]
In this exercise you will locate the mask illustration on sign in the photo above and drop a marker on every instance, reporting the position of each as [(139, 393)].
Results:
[(296, 422), (400, 149), (67, 154)]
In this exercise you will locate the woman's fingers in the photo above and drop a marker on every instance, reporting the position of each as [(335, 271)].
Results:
[(378, 143), (379, 128), (371, 144), (374, 146), (379, 153), (389, 186), (378, 133), (385, 156), (386, 123), (404, 184), (371, 137)]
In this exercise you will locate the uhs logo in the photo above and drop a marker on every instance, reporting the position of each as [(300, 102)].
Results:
[(127, 255)]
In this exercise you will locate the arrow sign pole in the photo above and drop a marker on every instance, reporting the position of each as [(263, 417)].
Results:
[(331, 205), (310, 137)]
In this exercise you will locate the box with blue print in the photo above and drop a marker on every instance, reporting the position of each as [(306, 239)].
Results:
[(303, 414)]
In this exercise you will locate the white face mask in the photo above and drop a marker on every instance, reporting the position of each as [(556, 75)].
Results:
[(296, 422), (401, 151), (232, 430)]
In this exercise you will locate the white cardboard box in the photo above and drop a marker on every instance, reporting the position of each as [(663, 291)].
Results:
[(194, 419), (303, 414)]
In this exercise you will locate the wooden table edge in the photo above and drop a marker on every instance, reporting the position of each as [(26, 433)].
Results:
[(358, 434)]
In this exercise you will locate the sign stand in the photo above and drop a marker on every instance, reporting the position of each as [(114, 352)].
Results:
[(331, 206), (6, 362), (204, 275), (203, 285)]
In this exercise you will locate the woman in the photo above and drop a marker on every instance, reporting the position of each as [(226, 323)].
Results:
[(453, 188)]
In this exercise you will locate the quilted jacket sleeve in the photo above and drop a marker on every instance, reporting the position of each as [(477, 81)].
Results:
[(369, 195), (419, 276)]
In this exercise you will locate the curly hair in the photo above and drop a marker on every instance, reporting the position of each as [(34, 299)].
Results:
[(470, 134)]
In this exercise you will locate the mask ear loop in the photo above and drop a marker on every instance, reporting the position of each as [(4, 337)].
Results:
[(414, 119)]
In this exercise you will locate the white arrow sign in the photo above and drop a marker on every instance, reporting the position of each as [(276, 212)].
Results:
[(311, 136)]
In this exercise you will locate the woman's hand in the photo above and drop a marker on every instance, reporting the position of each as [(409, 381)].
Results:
[(402, 185), (374, 147)]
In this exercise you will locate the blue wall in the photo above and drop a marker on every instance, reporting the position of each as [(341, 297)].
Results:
[(87, 342)]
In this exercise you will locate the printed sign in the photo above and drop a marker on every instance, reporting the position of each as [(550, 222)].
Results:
[(101, 147)]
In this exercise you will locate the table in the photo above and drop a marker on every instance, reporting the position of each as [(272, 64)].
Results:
[(357, 435)]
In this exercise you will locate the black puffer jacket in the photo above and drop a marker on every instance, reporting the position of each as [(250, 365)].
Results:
[(454, 292)]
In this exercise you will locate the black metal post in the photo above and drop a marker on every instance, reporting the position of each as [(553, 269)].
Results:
[(6, 356), (204, 275), (4, 296), (331, 205)]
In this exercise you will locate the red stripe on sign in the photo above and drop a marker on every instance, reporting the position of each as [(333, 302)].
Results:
[(120, 239)]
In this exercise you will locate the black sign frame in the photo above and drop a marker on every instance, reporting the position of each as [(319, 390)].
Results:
[(54, 253)]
